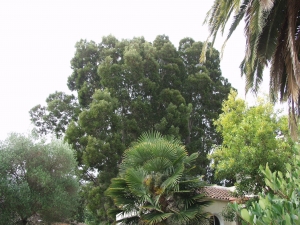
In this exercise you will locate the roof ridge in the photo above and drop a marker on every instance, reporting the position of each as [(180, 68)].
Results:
[(217, 192)]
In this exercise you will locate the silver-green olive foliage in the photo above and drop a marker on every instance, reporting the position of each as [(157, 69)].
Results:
[(36, 179)]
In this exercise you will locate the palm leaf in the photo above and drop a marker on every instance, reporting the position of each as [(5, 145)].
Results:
[(269, 35), (120, 193), (134, 179), (236, 21), (272, 36), (150, 184), (155, 218), (216, 19), (190, 159), (278, 76), (121, 197), (168, 150), (114, 212), (152, 208), (254, 76), (173, 180), (135, 156), (187, 216), (158, 164), (151, 136), (118, 182), (253, 29), (147, 149)]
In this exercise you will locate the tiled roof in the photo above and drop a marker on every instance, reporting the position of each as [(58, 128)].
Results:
[(217, 192)]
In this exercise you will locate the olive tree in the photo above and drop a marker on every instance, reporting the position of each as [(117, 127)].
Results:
[(36, 179)]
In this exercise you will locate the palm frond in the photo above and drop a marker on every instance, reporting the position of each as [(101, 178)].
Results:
[(261, 31), (171, 181), (236, 21), (269, 36), (278, 76), (114, 212), (146, 149), (217, 18), (190, 159), (285, 63), (134, 179), (151, 136), (119, 192), (152, 208), (187, 216), (149, 182), (253, 29), (155, 218), (169, 150), (118, 182), (191, 199), (158, 164), (272, 30), (254, 76)]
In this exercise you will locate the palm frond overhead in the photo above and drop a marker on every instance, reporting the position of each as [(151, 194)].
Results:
[(272, 39)]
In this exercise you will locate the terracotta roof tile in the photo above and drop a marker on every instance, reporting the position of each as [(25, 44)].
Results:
[(217, 192)]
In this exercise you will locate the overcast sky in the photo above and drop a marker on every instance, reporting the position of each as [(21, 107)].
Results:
[(38, 38)]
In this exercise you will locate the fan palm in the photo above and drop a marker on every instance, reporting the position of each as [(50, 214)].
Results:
[(153, 186), (272, 30)]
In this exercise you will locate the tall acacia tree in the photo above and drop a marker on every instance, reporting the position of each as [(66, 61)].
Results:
[(272, 29)]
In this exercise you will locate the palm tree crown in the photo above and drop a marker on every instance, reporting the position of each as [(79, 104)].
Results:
[(272, 30), (153, 186)]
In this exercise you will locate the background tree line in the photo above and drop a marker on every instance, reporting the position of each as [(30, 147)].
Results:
[(125, 88)]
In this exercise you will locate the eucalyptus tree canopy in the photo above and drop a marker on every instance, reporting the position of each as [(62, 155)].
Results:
[(272, 39)]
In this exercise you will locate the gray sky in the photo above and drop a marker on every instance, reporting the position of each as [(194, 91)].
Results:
[(38, 38)]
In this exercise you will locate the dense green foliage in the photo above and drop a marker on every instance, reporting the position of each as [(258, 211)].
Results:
[(272, 38), (280, 205), (61, 109), (36, 179), (127, 87), (252, 136), (154, 186)]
